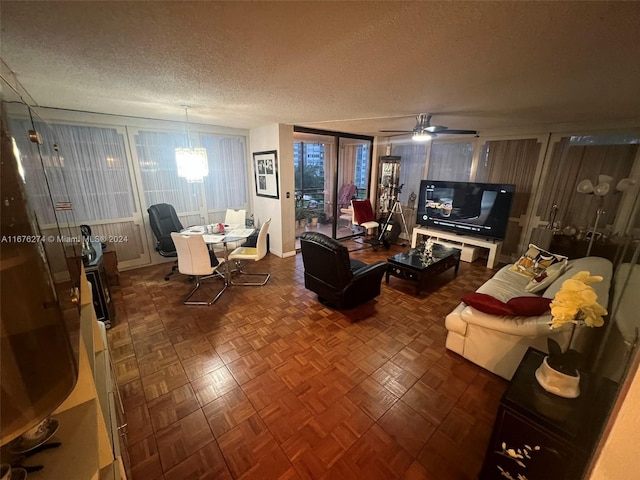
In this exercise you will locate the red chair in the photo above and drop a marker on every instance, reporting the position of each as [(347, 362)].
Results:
[(363, 215)]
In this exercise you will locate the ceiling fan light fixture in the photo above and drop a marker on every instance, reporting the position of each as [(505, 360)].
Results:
[(421, 136)]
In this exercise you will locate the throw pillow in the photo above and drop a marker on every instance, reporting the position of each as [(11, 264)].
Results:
[(529, 306), (487, 304), (547, 277), (535, 260)]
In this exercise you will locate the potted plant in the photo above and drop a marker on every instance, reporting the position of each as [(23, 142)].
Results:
[(576, 303), (301, 216), (313, 217)]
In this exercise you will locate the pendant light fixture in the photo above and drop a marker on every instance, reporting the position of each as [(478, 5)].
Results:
[(191, 162)]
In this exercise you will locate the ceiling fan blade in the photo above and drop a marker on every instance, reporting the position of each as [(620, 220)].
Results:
[(399, 134), (395, 131), (459, 132)]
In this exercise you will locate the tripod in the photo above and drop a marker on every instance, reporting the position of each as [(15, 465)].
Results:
[(397, 208)]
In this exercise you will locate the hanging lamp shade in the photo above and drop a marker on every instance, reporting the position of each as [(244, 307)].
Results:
[(601, 189), (605, 179), (626, 184), (585, 186), (191, 162)]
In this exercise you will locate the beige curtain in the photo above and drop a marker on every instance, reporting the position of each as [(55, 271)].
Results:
[(572, 163), (329, 183), (347, 164), (346, 172), (514, 162)]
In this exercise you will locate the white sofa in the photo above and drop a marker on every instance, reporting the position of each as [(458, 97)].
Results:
[(498, 342)]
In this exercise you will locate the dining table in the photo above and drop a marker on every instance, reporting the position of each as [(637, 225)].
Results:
[(221, 234)]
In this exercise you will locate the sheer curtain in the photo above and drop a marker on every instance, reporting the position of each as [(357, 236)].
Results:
[(450, 161), (413, 157), (90, 169), (224, 187), (347, 164), (226, 184), (159, 173)]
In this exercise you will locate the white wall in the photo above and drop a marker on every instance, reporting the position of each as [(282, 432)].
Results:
[(287, 182), (281, 234)]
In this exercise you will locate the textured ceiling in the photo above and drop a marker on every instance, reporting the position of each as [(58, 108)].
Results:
[(476, 65)]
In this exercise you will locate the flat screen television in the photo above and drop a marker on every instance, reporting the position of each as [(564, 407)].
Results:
[(467, 208)]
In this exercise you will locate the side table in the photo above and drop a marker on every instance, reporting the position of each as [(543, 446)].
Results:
[(538, 435)]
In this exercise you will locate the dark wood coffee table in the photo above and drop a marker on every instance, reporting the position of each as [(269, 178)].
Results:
[(412, 265)]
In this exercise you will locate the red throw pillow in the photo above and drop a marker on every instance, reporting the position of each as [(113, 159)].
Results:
[(487, 304), (529, 306)]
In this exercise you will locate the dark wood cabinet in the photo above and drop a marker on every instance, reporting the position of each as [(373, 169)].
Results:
[(572, 248), (540, 436)]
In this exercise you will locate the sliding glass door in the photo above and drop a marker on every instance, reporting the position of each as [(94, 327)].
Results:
[(331, 168), (354, 173)]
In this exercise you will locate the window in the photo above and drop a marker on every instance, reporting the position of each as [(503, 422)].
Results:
[(226, 184), (309, 172), (90, 170), (361, 176), (224, 187)]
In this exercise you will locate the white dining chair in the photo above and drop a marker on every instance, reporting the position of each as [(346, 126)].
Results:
[(195, 259), (257, 253), (235, 217)]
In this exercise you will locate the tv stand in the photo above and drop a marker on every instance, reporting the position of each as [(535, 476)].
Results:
[(463, 242)]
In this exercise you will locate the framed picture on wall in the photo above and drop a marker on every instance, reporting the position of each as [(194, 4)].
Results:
[(265, 165)]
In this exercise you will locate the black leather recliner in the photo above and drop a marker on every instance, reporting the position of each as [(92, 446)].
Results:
[(164, 220), (338, 281)]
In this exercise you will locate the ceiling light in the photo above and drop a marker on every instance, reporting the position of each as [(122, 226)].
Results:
[(421, 136), (191, 162)]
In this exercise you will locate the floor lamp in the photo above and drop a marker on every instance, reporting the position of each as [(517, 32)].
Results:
[(600, 190)]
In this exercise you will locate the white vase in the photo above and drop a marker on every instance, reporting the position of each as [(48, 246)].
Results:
[(558, 383)]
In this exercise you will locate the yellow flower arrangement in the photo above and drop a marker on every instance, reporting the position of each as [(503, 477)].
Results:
[(577, 302)]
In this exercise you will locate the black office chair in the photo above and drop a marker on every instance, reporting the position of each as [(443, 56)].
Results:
[(340, 282), (164, 220)]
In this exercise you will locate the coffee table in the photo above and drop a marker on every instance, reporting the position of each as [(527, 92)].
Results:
[(414, 266)]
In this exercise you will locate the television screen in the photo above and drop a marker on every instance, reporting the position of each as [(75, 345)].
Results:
[(467, 208)]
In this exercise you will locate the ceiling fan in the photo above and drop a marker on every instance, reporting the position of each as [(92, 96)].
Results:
[(424, 131)]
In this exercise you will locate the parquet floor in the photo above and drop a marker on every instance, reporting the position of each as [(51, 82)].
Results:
[(269, 384)]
